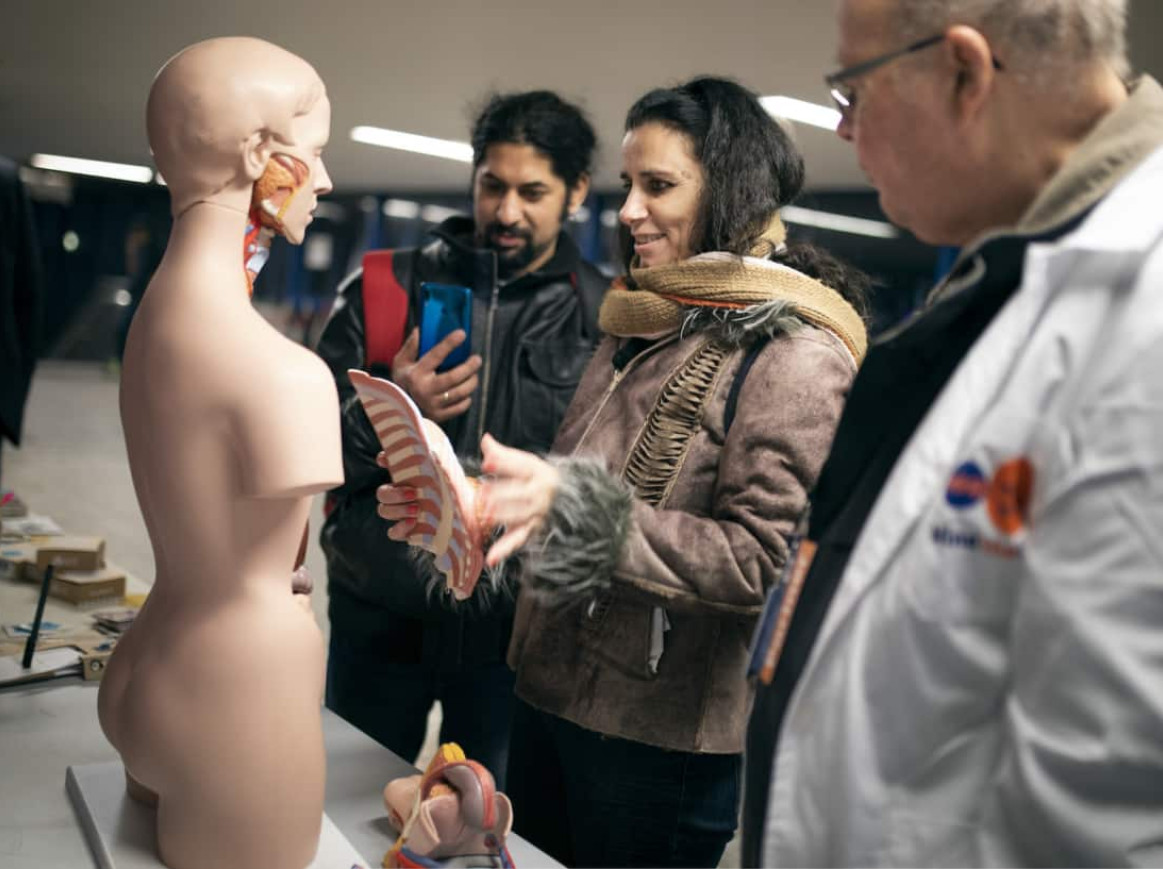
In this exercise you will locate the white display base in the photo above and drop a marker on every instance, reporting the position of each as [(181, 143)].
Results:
[(120, 831)]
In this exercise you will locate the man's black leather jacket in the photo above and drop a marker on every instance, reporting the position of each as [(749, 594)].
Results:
[(535, 335)]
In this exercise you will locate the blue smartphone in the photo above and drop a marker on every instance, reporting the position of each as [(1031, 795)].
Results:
[(444, 309)]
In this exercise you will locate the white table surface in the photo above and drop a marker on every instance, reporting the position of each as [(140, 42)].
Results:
[(47, 727)]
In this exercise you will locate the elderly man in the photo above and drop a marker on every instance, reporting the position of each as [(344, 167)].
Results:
[(969, 671)]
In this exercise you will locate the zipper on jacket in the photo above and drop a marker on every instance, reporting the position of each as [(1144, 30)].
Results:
[(619, 373), (486, 368)]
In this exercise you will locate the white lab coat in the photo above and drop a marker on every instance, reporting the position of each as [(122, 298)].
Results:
[(982, 694)]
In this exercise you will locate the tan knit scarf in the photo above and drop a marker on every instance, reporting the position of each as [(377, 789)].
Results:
[(665, 294)]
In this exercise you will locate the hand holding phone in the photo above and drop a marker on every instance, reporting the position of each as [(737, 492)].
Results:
[(441, 392)]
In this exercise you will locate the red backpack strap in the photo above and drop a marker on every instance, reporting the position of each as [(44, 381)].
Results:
[(385, 308)]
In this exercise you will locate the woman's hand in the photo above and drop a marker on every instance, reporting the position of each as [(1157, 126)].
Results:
[(398, 504), (517, 493)]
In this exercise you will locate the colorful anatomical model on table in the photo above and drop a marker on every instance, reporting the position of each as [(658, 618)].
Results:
[(450, 815)]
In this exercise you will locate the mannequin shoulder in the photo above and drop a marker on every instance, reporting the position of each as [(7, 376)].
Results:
[(241, 356), (271, 360)]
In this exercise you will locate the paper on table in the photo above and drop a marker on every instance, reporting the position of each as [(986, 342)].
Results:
[(32, 525), (51, 662), (22, 631)]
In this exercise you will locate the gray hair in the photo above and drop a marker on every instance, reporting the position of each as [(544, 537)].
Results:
[(1035, 35)]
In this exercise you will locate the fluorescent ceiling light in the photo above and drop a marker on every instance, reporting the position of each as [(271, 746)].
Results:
[(98, 168), (437, 213), (408, 209), (801, 111), (446, 148), (405, 209), (839, 222)]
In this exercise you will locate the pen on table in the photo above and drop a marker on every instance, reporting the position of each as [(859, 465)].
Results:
[(30, 646)]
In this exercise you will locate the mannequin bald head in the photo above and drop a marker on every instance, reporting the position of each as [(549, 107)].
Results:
[(219, 110)]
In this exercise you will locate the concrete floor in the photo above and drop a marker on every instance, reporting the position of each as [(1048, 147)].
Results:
[(73, 468)]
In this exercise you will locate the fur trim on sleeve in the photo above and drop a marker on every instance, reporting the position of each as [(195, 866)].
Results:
[(495, 585), (583, 535)]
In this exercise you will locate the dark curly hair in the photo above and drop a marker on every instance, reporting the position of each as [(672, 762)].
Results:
[(752, 169), (556, 128)]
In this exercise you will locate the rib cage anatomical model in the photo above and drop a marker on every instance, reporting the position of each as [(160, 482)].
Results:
[(419, 455)]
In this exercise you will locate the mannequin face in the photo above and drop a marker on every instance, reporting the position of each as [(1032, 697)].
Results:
[(296, 177)]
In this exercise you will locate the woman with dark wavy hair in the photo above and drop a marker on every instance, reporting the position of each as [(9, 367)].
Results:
[(648, 542)]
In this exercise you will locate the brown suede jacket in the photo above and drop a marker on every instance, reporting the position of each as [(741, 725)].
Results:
[(686, 578)]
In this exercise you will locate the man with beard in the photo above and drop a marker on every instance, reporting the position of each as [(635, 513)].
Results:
[(395, 648)]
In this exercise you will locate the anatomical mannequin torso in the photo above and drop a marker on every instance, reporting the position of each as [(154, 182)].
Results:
[(213, 696)]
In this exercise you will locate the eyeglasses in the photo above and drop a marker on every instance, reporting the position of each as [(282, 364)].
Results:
[(844, 96)]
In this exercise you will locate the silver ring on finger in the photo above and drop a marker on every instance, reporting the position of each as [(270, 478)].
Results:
[(444, 398)]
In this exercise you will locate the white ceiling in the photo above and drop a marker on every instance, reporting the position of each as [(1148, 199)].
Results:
[(74, 74)]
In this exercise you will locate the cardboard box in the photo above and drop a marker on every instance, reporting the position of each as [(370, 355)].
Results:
[(18, 562), (71, 553), (84, 586)]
